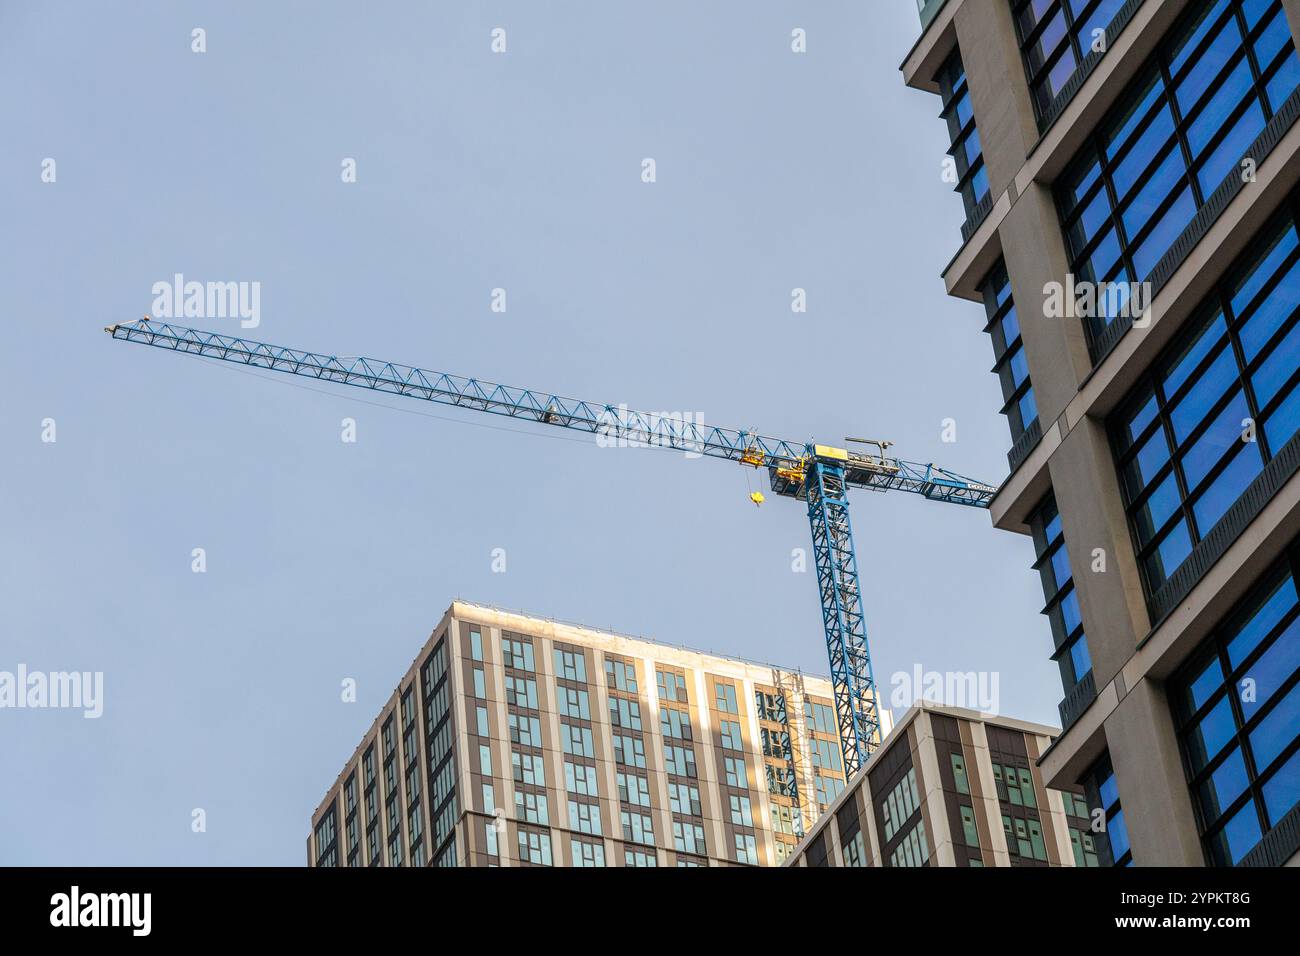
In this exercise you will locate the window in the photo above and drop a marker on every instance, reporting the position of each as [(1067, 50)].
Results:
[(828, 788), (1024, 838), (726, 698), (902, 802), (624, 713), (972, 180), (826, 755), (679, 761), (776, 743), (1237, 707), (639, 858), (684, 798), (783, 818), (584, 817), (475, 644), (1012, 369), (1015, 785), (675, 724), (525, 730), (913, 849), (1056, 36), (959, 773), (770, 706), (1103, 792), (577, 741), (521, 692), (570, 665), (688, 837), (327, 850), (637, 827), (587, 854), (672, 686), (634, 789), (734, 771), (746, 849), (968, 828), (531, 807), (1181, 128), (580, 779), (1085, 850), (1062, 608), (730, 733), (620, 675), (629, 751), (534, 847), (528, 769), (822, 718), (517, 654), (780, 781), (741, 813), (1218, 404), (855, 850), (573, 703)]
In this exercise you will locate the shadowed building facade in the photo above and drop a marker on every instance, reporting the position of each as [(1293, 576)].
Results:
[(1129, 171), (952, 787), (517, 741)]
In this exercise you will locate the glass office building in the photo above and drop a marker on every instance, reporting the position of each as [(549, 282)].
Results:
[(1139, 161)]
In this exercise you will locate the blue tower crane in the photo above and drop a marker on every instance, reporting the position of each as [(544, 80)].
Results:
[(820, 475)]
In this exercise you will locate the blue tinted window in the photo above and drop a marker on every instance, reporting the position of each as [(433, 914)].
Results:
[(1056, 36), (972, 181), (1237, 707), (1062, 606), (1218, 405), (1010, 363), (1181, 129)]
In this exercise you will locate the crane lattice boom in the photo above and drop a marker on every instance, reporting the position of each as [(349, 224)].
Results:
[(817, 474)]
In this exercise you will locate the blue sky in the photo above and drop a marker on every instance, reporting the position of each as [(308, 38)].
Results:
[(475, 171)]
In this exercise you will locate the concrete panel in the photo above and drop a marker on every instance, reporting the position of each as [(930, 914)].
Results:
[(999, 94), (1035, 255), (1092, 516), (1148, 767)]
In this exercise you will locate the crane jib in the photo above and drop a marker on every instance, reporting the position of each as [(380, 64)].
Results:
[(817, 474)]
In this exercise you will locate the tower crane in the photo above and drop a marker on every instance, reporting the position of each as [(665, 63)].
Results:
[(819, 475)]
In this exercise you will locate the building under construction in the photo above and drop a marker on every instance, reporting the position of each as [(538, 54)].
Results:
[(518, 741)]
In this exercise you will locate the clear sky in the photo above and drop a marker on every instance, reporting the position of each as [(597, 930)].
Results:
[(329, 560)]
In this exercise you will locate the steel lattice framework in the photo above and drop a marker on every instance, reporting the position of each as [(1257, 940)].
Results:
[(817, 473)]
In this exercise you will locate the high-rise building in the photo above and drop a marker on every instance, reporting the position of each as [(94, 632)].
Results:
[(952, 787), (516, 741), (1129, 175)]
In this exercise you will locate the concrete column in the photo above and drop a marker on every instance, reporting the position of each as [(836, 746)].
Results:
[(1144, 753), (1086, 485), (1034, 251), (999, 92), (1292, 8)]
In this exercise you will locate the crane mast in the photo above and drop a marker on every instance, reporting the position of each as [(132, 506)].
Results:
[(820, 475)]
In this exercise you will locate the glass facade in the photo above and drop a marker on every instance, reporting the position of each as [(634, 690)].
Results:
[(1181, 128), (1056, 36), (1062, 607), (1220, 403), (1009, 354), (1237, 706), (1103, 794), (972, 180)]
